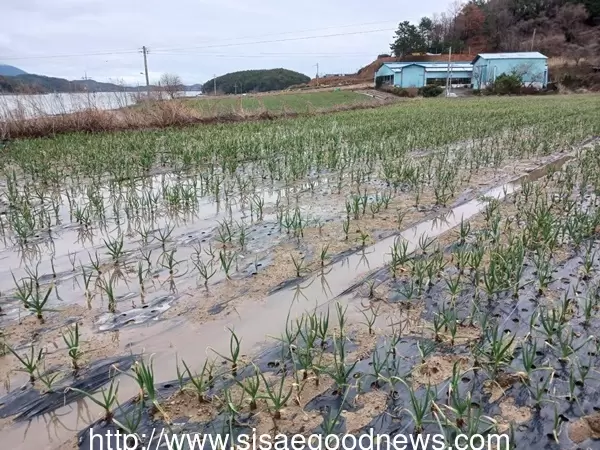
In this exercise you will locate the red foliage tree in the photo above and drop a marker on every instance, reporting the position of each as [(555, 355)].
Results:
[(470, 22)]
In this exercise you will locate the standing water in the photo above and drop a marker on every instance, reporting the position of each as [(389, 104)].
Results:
[(27, 106)]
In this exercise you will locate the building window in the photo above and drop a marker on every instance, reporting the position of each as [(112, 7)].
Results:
[(384, 80), (461, 80), (437, 81), (443, 81)]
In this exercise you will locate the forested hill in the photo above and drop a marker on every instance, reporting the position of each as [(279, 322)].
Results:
[(568, 28), (255, 81), (10, 71), (40, 84)]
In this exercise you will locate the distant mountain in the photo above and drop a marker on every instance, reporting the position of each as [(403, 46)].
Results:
[(26, 83), (10, 71), (255, 81), (39, 84)]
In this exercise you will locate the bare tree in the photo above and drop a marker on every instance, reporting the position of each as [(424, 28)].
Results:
[(571, 18), (579, 52), (528, 75), (171, 85)]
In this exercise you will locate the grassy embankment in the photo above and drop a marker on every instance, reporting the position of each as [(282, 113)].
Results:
[(182, 112)]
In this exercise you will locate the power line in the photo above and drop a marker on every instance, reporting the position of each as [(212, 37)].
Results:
[(124, 52), (271, 55), (302, 31), (175, 49), (279, 40)]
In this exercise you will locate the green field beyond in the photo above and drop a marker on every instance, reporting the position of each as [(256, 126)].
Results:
[(301, 102)]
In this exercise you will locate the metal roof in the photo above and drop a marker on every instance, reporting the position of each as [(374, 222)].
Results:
[(453, 68), (445, 65), (396, 65), (515, 55), (429, 66)]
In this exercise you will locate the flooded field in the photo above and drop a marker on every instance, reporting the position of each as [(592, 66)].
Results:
[(429, 267)]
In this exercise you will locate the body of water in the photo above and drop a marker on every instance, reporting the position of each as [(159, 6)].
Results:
[(27, 106)]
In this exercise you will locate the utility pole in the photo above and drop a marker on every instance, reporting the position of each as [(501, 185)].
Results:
[(317, 73), (145, 52), (448, 82), (533, 38), (215, 83)]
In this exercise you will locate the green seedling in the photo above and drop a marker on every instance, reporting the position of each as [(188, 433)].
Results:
[(29, 295), (346, 227), (251, 386), (323, 255), (464, 231), (48, 379), (206, 271), (298, 263), (341, 315), (95, 263), (71, 339), (29, 362), (114, 248), (276, 397), (164, 235), (339, 372), (425, 348), (108, 288), (497, 350), (143, 374), (378, 365), (529, 355), (234, 351), (331, 420), (131, 421), (200, 382), (227, 259), (420, 409), (168, 261), (363, 237), (370, 314), (106, 402)]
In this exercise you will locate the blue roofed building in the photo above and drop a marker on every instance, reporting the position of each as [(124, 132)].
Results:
[(418, 74), (532, 67)]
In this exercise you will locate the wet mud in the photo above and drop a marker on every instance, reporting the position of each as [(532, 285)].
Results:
[(31, 401), (503, 399), (344, 268)]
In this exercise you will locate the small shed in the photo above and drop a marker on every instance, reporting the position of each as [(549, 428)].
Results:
[(418, 74), (532, 67)]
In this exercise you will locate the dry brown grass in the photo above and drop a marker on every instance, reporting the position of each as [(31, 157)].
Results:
[(151, 115)]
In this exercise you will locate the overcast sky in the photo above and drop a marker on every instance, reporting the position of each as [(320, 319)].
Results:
[(197, 38)]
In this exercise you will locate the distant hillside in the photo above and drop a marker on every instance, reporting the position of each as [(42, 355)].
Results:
[(562, 28), (39, 84), (567, 31), (255, 81), (10, 71)]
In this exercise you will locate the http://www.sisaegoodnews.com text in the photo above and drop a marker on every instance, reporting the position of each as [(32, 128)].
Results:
[(161, 439)]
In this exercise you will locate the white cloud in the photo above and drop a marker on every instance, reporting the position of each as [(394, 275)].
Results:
[(207, 32)]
